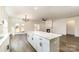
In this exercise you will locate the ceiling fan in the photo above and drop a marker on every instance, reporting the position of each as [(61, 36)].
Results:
[(25, 19)]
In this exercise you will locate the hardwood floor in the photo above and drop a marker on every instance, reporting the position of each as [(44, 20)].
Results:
[(68, 43)]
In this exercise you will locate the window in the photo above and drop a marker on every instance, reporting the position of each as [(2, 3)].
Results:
[(19, 28)]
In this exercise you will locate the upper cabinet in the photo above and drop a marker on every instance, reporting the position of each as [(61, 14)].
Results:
[(3, 21), (2, 15)]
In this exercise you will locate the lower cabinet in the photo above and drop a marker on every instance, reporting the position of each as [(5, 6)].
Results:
[(35, 41), (39, 45), (42, 44), (5, 46)]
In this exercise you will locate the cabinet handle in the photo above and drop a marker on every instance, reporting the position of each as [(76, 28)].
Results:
[(32, 38), (7, 47), (40, 44), (11, 36)]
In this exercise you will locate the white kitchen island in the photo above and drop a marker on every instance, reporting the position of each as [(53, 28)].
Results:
[(43, 41)]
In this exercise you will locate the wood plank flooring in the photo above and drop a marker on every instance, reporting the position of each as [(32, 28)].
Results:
[(68, 43)]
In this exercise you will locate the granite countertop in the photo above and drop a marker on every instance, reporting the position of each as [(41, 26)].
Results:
[(46, 35)]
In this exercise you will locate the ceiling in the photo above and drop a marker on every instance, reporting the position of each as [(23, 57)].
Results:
[(38, 12)]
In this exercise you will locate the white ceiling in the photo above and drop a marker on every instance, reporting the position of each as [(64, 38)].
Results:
[(52, 12)]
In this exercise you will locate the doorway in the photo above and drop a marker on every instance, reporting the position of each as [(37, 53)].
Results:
[(70, 27)]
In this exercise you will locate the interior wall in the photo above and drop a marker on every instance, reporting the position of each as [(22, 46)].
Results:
[(70, 27), (77, 27), (59, 26), (74, 26)]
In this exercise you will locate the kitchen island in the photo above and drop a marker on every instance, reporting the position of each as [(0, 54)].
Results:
[(43, 41)]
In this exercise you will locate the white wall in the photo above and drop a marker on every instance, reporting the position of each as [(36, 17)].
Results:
[(74, 26), (70, 27), (77, 27), (59, 26)]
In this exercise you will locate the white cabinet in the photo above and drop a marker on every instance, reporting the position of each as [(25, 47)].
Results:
[(5, 46), (45, 45), (39, 45), (35, 41), (42, 44), (29, 38)]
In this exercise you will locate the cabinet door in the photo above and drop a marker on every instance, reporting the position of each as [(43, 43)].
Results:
[(39, 44), (42, 44), (46, 45), (32, 40), (35, 41), (29, 38), (5, 46)]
